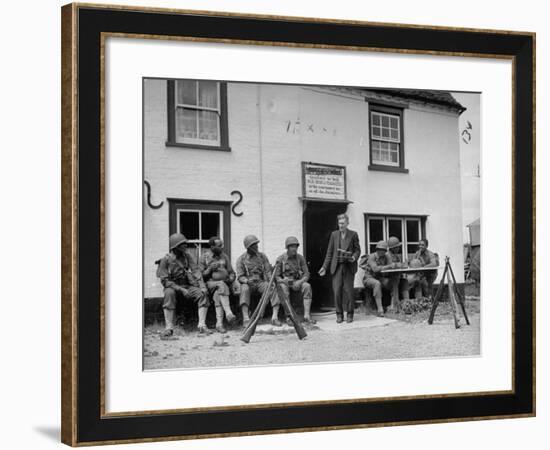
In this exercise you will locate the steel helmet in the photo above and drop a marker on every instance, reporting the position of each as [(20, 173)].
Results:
[(382, 245), (291, 240), (393, 242), (250, 240), (176, 239)]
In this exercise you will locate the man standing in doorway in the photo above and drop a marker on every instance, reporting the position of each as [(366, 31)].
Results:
[(341, 258)]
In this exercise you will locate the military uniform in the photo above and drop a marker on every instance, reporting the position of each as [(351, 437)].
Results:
[(423, 281), (294, 270), (256, 269), (181, 277), (218, 274), (373, 279)]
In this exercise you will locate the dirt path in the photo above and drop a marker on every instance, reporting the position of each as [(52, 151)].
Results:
[(408, 337)]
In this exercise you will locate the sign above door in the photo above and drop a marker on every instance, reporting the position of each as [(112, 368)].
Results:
[(324, 182)]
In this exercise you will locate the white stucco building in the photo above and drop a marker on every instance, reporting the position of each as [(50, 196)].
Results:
[(397, 168)]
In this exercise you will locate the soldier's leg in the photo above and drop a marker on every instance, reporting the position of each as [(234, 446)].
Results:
[(169, 310), (414, 283), (275, 304), (244, 302), (404, 288), (197, 296), (430, 279), (220, 295), (287, 291), (376, 287), (392, 284), (422, 287), (307, 299)]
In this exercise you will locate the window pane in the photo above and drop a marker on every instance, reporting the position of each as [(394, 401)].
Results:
[(385, 133), (186, 124), (413, 230), (186, 92), (376, 131), (385, 121), (376, 230), (189, 224), (210, 225), (208, 94), (411, 249), (375, 119), (394, 156), (395, 229), (393, 122), (208, 125), (394, 134)]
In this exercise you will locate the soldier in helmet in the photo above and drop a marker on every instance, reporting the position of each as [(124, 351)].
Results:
[(220, 279), (373, 265), (423, 281), (181, 277), (253, 273), (293, 274), (395, 254)]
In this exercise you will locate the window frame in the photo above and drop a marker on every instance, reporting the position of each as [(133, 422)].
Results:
[(392, 111), (171, 118), (385, 229), (224, 207)]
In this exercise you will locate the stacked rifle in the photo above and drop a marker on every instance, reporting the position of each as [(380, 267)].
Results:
[(273, 288)]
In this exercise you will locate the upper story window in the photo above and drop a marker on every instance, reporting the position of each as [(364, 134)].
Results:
[(386, 139), (197, 114)]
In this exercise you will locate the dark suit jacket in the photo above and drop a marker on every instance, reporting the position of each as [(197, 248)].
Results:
[(351, 244)]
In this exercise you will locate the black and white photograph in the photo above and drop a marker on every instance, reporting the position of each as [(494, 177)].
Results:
[(295, 224)]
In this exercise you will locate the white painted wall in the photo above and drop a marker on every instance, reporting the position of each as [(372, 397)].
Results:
[(268, 147)]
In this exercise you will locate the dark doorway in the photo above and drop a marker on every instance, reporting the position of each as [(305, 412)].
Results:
[(319, 222)]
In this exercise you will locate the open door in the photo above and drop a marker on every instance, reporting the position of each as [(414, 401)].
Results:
[(319, 222)]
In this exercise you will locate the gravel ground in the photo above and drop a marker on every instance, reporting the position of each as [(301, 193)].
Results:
[(409, 336)]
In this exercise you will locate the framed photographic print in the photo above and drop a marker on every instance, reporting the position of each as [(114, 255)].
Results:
[(282, 224)]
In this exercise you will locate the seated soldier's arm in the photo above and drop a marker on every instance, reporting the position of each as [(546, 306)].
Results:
[(164, 275), (377, 268), (241, 273), (432, 262), (305, 270), (279, 276)]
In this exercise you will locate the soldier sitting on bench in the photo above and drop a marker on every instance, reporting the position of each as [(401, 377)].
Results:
[(254, 272), (422, 282), (220, 280), (373, 265), (292, 274), (181, 277)]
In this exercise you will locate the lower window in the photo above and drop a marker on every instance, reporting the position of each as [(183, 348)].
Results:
[(408, 229), (199, 221)]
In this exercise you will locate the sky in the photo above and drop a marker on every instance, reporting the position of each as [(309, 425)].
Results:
[(470, 148)]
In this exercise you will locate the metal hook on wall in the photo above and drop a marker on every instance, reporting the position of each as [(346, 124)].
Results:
[(149, 197), (235, 204)]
